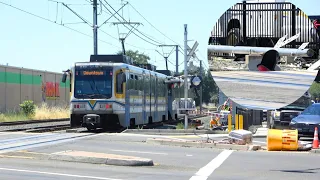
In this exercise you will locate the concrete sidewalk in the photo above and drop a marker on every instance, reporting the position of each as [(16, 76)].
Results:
[(261, 132)]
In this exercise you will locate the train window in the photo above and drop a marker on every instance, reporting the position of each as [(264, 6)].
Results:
[(119, 82), (70, 82), (131, 76), (136, 77)]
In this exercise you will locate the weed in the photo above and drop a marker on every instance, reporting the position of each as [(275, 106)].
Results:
[(39, 113)]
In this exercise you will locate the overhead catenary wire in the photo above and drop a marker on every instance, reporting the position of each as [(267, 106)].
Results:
[(43, 18), (75, 13), (153, 25), (87, 22), (158, 43)]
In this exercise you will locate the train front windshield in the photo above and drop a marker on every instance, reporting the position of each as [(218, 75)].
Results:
[(93, 82)]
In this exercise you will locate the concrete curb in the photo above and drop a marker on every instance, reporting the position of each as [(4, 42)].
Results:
[(317, 151), (173, 131), (100, 158), (203, 145), (259, 136)]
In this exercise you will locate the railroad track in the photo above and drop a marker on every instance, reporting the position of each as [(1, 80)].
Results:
[(32, 122), (41, 127)]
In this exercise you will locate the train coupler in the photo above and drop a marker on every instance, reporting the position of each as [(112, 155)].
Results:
[(91, 120)]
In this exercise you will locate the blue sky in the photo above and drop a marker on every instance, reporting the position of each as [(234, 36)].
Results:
[(30, 42)]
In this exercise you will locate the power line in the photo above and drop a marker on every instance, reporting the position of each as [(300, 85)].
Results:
[(131, 25), (153, 25), (125, 42), (54, 22)]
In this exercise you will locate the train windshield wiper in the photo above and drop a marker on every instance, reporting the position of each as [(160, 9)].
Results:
[(92, 96)]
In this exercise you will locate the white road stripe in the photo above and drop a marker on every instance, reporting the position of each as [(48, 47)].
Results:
[(142, 152), (145, 135), (57, 174), (205, 171), (261, 142)]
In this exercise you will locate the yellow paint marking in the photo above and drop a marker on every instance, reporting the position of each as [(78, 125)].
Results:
[(23, 157), (92, 102)]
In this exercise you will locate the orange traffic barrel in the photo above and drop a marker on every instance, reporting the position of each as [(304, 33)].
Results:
[(282, 140)]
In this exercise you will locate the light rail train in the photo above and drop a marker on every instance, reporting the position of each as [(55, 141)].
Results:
[(111, 92)]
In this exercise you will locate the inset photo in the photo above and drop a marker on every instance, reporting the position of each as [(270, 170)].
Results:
[(264, 54)]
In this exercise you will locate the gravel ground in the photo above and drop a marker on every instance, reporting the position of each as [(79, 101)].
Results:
[(34, 125)]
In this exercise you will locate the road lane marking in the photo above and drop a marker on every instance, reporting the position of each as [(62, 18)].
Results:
[(147, 135), (57, 174), (200, 136), (142, 152), (260, 142), (46, 142), (207, 170)]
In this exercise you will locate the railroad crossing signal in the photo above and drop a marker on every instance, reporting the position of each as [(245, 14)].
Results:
[(192, 51), (196, 81)]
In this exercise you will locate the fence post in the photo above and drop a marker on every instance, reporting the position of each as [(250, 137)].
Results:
[(229, 122), (240, 121), (244, 20), (236, 122)]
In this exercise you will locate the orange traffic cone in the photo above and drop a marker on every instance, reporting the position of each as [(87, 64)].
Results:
[(315, 139)]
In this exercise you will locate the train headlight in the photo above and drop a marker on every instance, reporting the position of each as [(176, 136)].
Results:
[(79, 106), (105, 106)]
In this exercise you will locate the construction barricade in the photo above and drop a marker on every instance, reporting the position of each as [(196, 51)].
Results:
[(282, 140)]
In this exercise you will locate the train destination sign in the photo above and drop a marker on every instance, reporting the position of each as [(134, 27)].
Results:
[(97, 73)]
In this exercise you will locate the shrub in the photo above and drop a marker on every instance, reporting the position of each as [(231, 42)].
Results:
[(28, 108), (180, 126)]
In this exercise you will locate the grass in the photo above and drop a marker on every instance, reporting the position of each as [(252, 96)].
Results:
[(181, 126), (41, 112)]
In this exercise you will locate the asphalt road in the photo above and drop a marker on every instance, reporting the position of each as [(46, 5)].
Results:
[(263, 90), (170, 162)]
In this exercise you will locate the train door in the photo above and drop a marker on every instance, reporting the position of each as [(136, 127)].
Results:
[(155, 105), (148, 96), (144, 96)]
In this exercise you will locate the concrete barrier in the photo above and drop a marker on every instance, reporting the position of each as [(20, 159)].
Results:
[(203, 145), (100, 158)]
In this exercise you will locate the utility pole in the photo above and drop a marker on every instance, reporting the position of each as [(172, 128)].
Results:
[(177, 60), (201, 74), (187, 56), (185, 75), (166, 57), (95, 27)]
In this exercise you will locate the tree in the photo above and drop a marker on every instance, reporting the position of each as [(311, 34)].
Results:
[(137, 57), (315, 90), (209, 87)]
